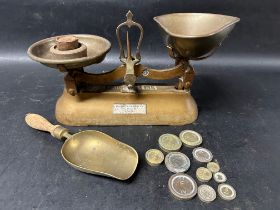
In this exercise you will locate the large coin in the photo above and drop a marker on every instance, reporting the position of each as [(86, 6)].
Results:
[(190, 138), (169, 142), (203, 174), (177, 162), (154, 157), (202, 155), (220, 177), (226, 192), (206, 193), (182, 186)]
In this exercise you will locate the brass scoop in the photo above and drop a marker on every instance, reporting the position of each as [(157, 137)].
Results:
[(91, 151)]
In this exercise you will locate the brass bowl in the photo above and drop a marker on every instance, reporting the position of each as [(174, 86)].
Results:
[(195, 36), (98, 153), (97, 48)]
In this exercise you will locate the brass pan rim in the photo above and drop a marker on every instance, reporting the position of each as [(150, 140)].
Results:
[(107, 47), (233, 21)]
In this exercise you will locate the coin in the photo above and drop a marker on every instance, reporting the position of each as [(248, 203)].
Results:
[(202, 155), (203, 174), (190, 138), (169, 142), (226, 192), (177, 162), (220, 177), (206, 193), (213, 167), (154, 157), (182, 186)]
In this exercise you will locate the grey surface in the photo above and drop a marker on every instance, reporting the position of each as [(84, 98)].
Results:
[(237, 91), (239, 122), (24, 22)]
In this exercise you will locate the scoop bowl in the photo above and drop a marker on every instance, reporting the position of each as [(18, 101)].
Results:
[(97, 153)]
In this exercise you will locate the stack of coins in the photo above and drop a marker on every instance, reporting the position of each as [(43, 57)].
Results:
[(181, 185)]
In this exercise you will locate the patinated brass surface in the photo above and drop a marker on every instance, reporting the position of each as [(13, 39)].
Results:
[(165, 105), (91, 151), (97, 47), (195, 35), (129, 60), (77, 76), (188, 36)]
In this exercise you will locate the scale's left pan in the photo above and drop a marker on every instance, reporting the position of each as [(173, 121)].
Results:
[(97, 48)]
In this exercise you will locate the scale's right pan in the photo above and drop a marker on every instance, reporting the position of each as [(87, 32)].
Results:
[(195, 35)]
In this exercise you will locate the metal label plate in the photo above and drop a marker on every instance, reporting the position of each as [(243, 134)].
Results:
[(129, 109)]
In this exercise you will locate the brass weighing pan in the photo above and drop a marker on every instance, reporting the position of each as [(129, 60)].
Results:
[(195, 36), (91, 151), (97, 47)]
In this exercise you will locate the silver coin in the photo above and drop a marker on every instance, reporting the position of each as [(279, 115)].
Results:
[(182, 186), (206, 193), (177, 162), (220, 177), (226, 192), (202, 155)]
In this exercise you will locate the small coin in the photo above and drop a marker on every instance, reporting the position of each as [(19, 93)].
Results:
[(226, 192), (154, 157), (202, 155), (203, 174), (220, 177), (182, 186), (213, 167), (206, 193), (177, 162), (190, 138), (169, 142)]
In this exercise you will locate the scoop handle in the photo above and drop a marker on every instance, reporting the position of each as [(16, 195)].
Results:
[(40, 123)]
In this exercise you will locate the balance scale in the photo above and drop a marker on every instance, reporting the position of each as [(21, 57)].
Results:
[(94, 99)]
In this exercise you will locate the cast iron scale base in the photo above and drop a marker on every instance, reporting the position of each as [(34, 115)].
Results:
[(131, 103)]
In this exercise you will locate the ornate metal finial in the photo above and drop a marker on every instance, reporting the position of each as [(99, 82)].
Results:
[(129, 15), (129, 23), (129, 20)]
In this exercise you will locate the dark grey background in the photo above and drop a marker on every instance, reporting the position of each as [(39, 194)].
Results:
[(237, 91)]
